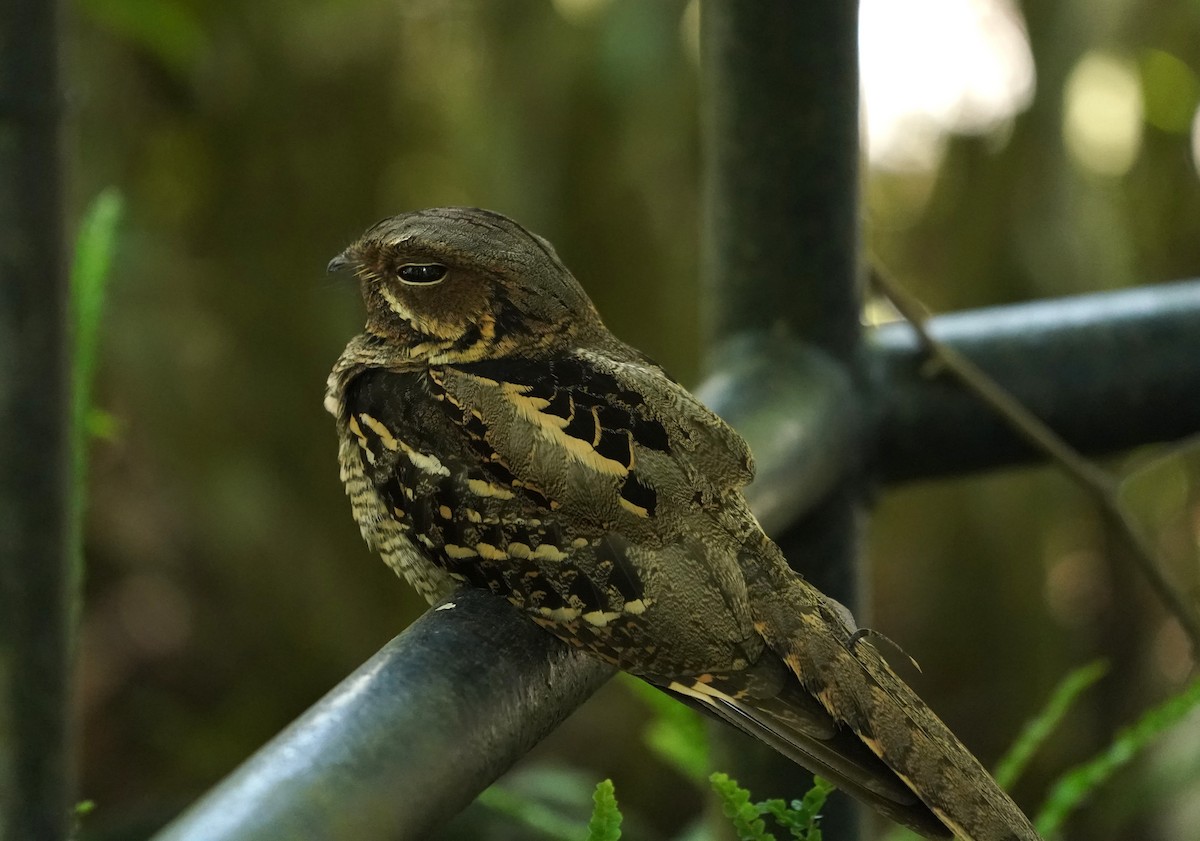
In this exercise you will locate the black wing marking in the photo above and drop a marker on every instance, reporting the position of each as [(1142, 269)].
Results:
[(587, 404), (430, 462), (597, 408)]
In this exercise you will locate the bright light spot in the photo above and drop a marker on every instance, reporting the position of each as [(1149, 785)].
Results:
[(934, 67), (689, 31), (1102, 114), (580, 11), (1196, 141)]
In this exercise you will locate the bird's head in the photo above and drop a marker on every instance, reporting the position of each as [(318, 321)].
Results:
[(456, 284)]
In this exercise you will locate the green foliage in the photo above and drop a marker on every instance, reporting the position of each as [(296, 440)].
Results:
[(800, 818), (1039, 728), (735, 802), (530, 813), (1074, 787), (94, 249), (605, 824), (676, 734), (82, 809)]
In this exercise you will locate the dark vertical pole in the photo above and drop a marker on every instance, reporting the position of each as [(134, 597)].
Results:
[(781, 238), (34, 486)]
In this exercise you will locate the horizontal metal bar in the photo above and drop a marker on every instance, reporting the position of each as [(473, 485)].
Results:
[(798, 411), (409, 739), (1106, 371), (782, 256)]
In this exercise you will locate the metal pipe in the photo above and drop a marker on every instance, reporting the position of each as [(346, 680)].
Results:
[(1107, 371), (410, 738), (35, 486), (780, 120)]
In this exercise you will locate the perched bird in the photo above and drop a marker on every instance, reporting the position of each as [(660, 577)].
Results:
[(494, 433)]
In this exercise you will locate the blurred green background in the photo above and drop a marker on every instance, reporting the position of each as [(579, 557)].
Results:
[(227, 587)]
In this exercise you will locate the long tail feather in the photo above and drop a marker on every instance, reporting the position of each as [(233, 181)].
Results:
[(853, 683)]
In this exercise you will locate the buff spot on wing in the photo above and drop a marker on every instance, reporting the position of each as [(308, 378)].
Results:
[(482, 488), (490, 553), (600, 618), (362, 440), (578, 436), (876, 748), (560, 614), (637, 606), (521, 394), (379, 428), (548, 552)]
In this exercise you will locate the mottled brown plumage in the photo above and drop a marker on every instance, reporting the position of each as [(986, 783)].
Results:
[(495, 433)]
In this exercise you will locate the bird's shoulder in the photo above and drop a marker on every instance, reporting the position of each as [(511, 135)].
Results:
[(609, 404)]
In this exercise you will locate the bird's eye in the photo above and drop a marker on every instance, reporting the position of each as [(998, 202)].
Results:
[(421, 273)]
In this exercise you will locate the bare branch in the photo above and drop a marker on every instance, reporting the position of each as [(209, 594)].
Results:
[(1102, 486)]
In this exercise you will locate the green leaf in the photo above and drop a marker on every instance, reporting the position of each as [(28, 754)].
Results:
[(808, 810), (801, 817), (1039, 728), (605, 824), (676, 734), (744, 815), (94, 249), (1074, 787)]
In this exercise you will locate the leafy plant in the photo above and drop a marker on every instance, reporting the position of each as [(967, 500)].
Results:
[(1075, 786), (800, 817), (1039, 728), (605, 824), (95, 246)]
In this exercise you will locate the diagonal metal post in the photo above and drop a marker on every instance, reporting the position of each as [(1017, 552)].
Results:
[(35, 617), (409, 739)]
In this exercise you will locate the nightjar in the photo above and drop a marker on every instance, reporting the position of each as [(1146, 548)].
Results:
[(495, 434)]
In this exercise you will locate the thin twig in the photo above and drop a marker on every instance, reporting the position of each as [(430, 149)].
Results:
[(1100, 484)]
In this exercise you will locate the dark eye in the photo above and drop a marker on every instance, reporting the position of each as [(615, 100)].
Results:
[(421, 272)]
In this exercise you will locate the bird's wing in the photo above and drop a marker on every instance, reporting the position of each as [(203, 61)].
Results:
[(597, 496), (556, 486)]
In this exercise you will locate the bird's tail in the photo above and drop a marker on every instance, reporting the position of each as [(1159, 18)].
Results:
[(849, 680)]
